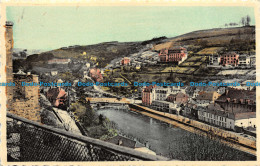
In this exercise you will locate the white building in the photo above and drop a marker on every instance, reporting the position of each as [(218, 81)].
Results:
[(244, 60), (160, 93), (54, 73), (216, 115), (214, 60), (206, 98), (87, 65)]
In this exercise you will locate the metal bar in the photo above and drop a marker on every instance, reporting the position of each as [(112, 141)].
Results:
[(95, 142)]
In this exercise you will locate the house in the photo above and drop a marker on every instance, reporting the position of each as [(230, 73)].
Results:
[(126, 142), (164, 106), (214, 59), (173, 55), (96, 75), (190, 110), (87, 65), (125, 61), (54, 73), (245, 119), (252, 60), (147, 95), (238, 100), (244, 60), (160, 93), (179, 98), (230, 58), (138, 67), (205, 98), (93, 58), (214, 114)]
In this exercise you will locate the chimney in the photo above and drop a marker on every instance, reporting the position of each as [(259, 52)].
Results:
[(146, 145), (226, 91), (120, 142), (9, 61), (9, 50)]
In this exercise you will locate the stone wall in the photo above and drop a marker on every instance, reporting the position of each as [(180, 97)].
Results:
[(26, 98)]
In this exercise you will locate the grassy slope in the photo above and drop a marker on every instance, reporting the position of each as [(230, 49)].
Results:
[(214, 37)]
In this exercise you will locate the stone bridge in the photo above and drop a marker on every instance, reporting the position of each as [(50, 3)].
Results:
[(109, 100)]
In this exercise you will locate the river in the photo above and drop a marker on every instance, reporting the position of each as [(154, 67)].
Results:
[(167, 140)]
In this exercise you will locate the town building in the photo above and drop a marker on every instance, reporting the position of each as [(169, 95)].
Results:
[(230, 58), (214, 114), (214, 60), (87, 65), (147, 95), (163, 106), (179, 98), (205, 98), (125, 61), (126, 142), (190, 110), (173, 55), (244, 60), (245, 119), (238, 100), (252, 60), (95, 74), (160, 93), (54, 72)]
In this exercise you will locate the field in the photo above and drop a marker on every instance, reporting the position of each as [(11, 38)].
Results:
[(179, 70), (210, 51), (233, 72)]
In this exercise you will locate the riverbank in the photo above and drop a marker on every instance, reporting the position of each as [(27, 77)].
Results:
[(172, 141), (229, 138)]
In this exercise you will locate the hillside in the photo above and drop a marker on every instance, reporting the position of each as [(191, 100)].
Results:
[(237, 39), (232, 39)]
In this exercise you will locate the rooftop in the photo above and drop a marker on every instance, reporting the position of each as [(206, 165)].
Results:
[(122, 141), (237, 94), (206, 96)]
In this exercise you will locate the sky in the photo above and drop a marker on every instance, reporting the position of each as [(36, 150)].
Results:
[(46, 28)]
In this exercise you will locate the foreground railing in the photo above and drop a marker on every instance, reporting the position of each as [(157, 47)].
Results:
[(31, 141)]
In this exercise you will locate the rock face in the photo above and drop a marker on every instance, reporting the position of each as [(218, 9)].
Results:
[(95, 74)]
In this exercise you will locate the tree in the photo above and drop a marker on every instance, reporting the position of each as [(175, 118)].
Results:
[(101, 119), (84, 112), (248, 20), (243, 21)]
